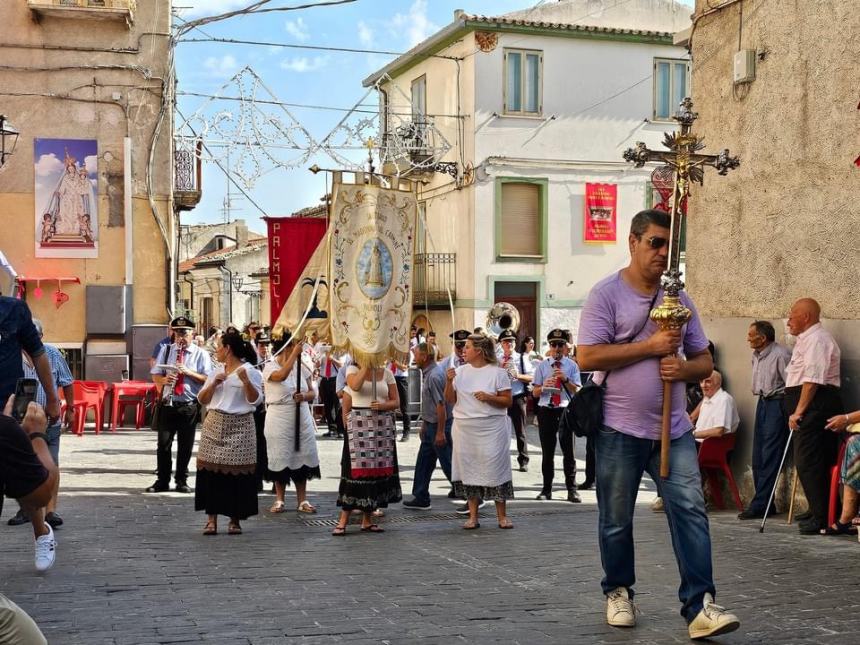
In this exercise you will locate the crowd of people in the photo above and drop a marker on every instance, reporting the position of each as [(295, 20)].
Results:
[(254, 395)]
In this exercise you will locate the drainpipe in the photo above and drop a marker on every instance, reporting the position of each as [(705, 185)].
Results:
[(222, 268)]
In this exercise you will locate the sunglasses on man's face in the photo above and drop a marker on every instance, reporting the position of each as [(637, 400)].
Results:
[(557, 343), (656, 242)]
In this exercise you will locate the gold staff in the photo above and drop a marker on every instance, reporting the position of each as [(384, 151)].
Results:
[(688, 165)]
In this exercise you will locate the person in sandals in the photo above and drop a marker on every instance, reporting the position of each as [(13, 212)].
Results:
[(288, 395)]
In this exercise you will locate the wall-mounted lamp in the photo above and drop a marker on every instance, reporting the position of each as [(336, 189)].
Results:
[(8, 139)]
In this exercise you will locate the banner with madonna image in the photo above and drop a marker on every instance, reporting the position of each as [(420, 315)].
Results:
[(372, 241)]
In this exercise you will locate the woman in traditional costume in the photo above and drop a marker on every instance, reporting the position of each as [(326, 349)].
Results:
[(287, 394), (480, 463), (227, 454), (369, 477)]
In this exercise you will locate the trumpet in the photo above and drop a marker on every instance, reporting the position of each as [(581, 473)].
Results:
[(510, 368), (169, 389)]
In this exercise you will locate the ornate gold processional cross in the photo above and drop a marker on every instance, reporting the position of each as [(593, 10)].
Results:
[(688, 165)]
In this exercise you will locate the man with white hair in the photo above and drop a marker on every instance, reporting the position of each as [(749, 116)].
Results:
[(718, 414), (62, 379)]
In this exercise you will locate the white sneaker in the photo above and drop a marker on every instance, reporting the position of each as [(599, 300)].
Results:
[(46, 550), (713, 620), (620, 610), (657, 505)]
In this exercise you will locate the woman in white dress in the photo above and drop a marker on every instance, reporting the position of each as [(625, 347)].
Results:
[(290, 461), (480, 463)]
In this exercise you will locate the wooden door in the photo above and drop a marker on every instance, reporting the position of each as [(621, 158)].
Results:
[(527, 306)]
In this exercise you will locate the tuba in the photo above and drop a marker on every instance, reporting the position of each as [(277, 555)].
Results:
[(500, 317)]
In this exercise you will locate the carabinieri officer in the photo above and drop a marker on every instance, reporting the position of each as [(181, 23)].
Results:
[(556, 380)]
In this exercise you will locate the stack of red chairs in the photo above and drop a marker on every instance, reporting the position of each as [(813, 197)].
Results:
[(89, 395)]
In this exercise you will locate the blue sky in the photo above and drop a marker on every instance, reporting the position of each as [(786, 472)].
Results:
[(302, 76)]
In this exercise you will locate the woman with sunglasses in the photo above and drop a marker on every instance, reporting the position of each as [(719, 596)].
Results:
[(555, 381), (480, 392)]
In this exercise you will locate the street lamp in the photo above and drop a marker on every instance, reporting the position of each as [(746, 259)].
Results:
[(8, 139), (237, 282)]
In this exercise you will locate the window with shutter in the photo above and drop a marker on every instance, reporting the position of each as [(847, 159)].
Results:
[(521, 215)]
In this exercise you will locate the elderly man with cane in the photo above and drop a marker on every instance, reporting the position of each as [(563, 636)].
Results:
[(635, 358)]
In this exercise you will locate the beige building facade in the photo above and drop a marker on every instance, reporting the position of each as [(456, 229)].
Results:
[(93, 71), (784, 225), (533, 105)]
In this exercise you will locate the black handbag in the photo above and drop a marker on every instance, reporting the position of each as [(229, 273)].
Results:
[(583, 416)]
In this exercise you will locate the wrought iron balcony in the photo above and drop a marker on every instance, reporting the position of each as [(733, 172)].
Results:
[(435, 275), (187, 177), (97, 9)]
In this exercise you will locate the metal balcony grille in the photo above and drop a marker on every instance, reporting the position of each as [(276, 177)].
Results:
[(435, 275)]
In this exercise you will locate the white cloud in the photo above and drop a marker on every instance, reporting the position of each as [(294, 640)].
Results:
[(365, 34), (48, 165), (222, 67), (91, 163), (298, 29), (303, 64), (415, 23)]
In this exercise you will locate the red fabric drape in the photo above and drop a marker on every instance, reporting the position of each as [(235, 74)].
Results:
[(292, 242)]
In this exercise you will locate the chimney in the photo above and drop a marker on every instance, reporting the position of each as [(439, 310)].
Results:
[(241, 233)]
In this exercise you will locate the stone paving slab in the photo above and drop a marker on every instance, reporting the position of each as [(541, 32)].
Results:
[(134, 569)]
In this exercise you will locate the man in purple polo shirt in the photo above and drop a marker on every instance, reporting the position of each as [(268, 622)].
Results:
[(616, 335)]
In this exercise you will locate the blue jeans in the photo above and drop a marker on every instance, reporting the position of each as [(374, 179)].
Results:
[(428, 453), (771, 433), (621, 460)]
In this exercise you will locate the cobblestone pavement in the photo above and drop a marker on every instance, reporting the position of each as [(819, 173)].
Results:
[(135, 568)]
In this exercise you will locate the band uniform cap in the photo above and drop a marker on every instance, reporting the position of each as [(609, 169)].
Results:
[(558, 334), (507, 334), (263, 338), (181, 322), (460, 335)]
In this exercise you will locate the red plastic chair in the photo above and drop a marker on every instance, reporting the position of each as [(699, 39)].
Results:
[(80, 414), (92, 393), (835, 476), (714, 457), (127, 395)]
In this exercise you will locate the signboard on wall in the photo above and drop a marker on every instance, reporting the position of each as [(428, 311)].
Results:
[(601, 207), (66, 198)]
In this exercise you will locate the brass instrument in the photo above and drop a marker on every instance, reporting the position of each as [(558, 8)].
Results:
[(500, 317)]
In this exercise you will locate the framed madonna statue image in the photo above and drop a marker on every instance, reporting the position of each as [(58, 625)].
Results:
[(66, 198)]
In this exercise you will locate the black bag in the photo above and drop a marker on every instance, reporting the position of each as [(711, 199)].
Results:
[(583, 415)]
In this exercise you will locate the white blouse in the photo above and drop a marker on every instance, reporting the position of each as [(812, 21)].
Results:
[(468, 380), (364, 397), (229, 397), (282, 391)]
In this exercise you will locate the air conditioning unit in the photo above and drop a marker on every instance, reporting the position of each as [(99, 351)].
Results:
[(744, 66)]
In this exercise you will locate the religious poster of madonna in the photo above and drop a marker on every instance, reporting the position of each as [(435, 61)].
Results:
[(67, 221)]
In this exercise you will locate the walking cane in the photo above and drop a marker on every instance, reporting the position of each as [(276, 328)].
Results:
[(776, 483)]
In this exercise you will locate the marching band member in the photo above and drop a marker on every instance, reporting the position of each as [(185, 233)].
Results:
[(512, 363), (556, 379), (179, 409)]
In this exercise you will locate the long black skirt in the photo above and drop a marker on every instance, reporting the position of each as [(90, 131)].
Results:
[(223, 494)]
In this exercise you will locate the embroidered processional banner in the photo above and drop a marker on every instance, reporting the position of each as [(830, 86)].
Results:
[(372, 231), (309, 298)]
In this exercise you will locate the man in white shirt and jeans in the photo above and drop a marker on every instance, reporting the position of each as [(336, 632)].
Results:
[(718, 414)]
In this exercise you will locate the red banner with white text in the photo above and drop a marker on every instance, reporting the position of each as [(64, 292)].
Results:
[(292, 242), (601, 207)]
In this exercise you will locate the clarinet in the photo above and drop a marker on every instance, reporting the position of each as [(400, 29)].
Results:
[(168, 390)]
